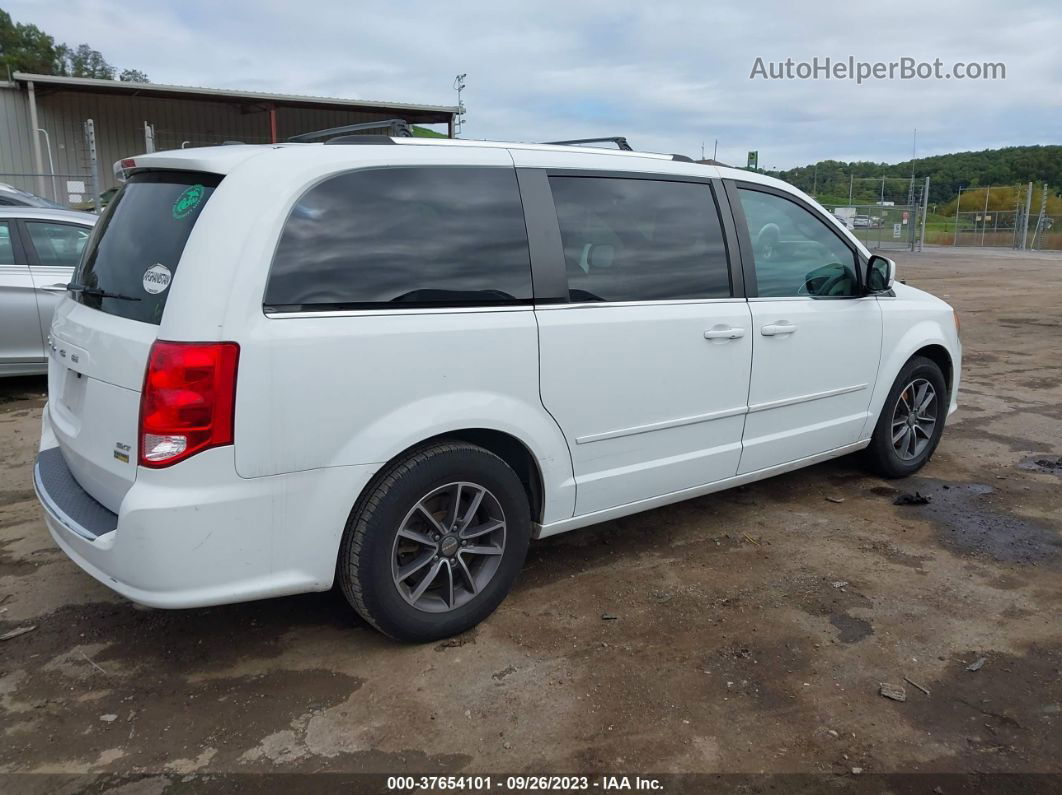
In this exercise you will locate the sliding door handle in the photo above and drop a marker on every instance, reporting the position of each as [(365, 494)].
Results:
[(724, 333), (774, 329)]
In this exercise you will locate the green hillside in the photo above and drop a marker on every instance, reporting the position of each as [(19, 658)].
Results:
[(1014, 165)]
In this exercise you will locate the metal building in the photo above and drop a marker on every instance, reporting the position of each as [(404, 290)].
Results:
[(45, 148)]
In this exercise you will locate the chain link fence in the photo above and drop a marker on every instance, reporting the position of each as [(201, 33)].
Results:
[(67, 179), (1005, 216), (66, 191), (885, 213)]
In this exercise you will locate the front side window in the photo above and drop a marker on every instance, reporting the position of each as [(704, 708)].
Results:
[(640, 239), (795, 253), (57, 244), (405, 237), (7, 248)]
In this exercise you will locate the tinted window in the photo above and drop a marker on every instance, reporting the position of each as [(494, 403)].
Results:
[(408, 236), (7, 249), (58, 244), (795, 252), (640, 239), (144, 229)]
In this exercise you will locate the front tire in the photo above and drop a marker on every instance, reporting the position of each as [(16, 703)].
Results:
[(436, 544), (911, 421)]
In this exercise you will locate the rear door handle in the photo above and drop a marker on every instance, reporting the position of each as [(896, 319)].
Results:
[(54, 288), (774, 329), (724, 334)]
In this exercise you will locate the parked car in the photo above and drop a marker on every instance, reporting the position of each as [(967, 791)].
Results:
[(862, 221), (391, 365), (10, 196), (38, 251)]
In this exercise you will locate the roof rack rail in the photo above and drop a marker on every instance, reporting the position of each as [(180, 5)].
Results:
[(618, 140), (398, 128)]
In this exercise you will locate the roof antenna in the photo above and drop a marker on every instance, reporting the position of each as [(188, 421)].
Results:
[(459, 86)]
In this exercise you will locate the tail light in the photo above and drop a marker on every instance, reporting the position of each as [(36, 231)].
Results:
[(188, 402)]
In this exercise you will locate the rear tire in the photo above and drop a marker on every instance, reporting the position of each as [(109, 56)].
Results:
[(911, 421), (436, 543)]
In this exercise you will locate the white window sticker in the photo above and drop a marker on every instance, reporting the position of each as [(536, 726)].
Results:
[(156, 279)]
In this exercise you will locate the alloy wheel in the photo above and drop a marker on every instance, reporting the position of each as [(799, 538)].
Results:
[(914, 419), (448, 547)]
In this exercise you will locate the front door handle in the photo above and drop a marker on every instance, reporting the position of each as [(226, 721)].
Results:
[(724, 333), (774, 329)]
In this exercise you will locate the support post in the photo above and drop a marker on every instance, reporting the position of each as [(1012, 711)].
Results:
[(984, 215), (38, 162), (925, 212), (90, 144), (450, 127), (1025, 218), (958, 207), (273, 124)]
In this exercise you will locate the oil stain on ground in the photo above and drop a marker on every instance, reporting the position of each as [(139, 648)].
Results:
[(969, 522)]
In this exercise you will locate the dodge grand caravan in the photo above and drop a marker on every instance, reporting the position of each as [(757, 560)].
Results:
[(390, 363)]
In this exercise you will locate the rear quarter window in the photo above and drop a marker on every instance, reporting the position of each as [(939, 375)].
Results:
[(404, 237), (136, 247)]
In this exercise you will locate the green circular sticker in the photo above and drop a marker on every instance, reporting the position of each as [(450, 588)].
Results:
[(188, 201)]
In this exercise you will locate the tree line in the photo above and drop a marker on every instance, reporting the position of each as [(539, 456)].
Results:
[(27, 48), (1013, 165)]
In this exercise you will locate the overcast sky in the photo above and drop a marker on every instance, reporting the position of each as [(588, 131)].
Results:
[(668, 75)]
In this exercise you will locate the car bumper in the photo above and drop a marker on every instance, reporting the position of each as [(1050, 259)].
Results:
[(197, 534)]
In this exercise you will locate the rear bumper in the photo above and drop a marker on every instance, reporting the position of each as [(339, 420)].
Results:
[(197, 534)]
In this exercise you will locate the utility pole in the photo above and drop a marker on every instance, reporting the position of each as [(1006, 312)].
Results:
[(851, 183), (715, 150), (815, 184), (459, 86)]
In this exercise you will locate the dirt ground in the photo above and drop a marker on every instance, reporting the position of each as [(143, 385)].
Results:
[(746, 632)]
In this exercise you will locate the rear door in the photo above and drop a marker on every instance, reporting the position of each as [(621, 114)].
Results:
[(816, 337), (645, 357), (102, 335), (53, 249), (20, 331)]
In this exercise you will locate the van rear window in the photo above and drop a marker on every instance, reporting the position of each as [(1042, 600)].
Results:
[(425, 236), (132, 256)]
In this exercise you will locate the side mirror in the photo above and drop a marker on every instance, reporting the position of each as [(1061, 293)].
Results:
[(881, 273)]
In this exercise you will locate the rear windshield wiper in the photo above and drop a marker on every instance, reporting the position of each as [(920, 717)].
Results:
[(97, 292)]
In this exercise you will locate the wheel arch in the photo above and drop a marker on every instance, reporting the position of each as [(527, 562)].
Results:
[(510, 449), (941, 357), (926, 337)]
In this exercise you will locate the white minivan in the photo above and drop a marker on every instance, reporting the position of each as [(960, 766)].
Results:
[(391, 362)]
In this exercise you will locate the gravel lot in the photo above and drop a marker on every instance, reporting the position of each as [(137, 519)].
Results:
[(751, 632)]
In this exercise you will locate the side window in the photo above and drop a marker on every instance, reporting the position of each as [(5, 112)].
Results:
[(640, 239), (428, 236), (57, 244), (794, 251), (7, 248)]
